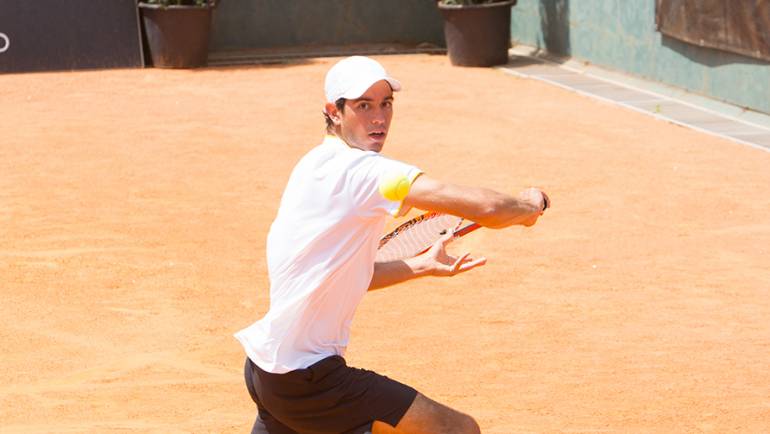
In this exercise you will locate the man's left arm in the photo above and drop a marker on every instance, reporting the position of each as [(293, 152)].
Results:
[(435, 262)]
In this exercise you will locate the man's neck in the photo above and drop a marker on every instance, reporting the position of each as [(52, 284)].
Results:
[(336, 135)]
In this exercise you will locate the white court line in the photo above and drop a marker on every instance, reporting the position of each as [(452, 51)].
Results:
[(512, 71), (582, 72)]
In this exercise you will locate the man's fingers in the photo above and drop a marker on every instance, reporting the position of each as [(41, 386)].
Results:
[(532, 220), (472, 264), (466, 263), (459, 262)]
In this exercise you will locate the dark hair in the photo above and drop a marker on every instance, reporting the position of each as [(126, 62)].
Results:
[(340, 104)]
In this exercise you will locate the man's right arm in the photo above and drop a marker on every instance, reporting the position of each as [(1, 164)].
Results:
[(486, 207)]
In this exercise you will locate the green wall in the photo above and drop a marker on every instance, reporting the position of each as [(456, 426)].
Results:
[(258, 24), (621, 35), (617, 34)]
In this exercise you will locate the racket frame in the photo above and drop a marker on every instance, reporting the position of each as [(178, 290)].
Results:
[(459, 231)]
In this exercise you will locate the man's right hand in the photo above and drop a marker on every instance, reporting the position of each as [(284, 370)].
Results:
[(538, 199)]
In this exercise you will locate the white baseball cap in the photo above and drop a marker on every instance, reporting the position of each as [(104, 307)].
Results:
[(351, 77)]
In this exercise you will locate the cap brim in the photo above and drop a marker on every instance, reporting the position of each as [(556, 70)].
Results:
[(356, 92), (394, 84)]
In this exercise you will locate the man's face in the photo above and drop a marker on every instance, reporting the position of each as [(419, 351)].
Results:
[(365, 121)]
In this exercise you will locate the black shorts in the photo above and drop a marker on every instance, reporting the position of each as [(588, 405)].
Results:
[(326, 398)]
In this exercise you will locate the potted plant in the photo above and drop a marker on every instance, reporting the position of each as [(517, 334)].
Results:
[(477, 32), (177, 31)]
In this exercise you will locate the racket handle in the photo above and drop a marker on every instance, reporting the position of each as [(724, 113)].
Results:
[(467, 229), (458, 233)]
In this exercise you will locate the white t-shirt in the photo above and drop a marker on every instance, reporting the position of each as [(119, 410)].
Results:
[(320, 254)]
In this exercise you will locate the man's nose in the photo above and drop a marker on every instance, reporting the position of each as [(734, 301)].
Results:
[(378, 117)]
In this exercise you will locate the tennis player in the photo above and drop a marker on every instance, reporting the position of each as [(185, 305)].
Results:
[(321, 261)]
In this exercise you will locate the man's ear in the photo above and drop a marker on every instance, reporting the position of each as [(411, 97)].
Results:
[(333, 113)]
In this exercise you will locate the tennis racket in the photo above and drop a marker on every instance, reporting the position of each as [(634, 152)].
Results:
[(418, 234)]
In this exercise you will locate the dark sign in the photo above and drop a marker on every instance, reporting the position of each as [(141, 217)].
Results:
[(739, 26), (41, 35)]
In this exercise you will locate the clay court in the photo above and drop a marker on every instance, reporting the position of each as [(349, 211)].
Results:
[(134, 206)]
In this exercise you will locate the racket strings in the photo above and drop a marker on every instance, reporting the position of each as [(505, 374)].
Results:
[(415, 236)]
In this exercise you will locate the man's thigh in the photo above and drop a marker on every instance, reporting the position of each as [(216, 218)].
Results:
[(331, 397), (426, 416)]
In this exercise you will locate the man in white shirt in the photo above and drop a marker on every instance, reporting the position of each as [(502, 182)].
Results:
[(321, 261)]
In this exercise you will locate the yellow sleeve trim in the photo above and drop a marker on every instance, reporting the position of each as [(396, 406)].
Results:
[(394, 186), (400, 210)]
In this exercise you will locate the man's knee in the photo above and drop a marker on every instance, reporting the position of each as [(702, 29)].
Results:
[(428, 416), (464, 424), (469, 425)]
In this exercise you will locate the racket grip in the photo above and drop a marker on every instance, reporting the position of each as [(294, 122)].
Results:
[(466, 230)]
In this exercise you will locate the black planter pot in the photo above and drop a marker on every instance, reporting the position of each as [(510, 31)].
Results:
[(478, 35), (177, 36)]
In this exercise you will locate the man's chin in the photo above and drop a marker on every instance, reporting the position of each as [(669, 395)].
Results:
[(376, 143), (368, 143)]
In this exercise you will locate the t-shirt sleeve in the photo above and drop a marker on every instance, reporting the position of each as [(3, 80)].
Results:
[(379, 184)]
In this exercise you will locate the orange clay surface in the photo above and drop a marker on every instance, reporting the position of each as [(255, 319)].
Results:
[(134, 206)]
